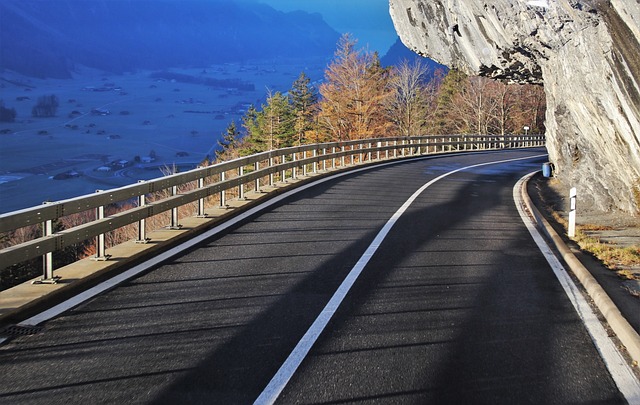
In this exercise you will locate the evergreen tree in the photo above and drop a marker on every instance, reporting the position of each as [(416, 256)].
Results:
[(229, 141), (254, 141), (271, 128), (303, 97), (279, 121), (452, 84)]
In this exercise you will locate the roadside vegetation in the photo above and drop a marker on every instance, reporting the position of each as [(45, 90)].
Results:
[(615, 258), (358, 99)]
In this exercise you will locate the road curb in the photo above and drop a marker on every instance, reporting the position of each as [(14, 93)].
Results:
[(618, 323)]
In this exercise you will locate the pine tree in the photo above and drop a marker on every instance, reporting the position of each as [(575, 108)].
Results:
[(229, 141), (272, 127), (452, 84), (279, 121), (303, 97), (255, 140)]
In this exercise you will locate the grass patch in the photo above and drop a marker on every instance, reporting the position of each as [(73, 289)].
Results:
[(610, 255)]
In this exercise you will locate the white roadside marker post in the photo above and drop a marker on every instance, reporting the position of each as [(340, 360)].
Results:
[(572, 212)]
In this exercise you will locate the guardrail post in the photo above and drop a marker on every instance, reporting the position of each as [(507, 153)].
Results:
[(333, 157), (324, 159), (201, 213), (223, 192), (342, 157), (241, 186), (294, 169), (315, 163), (47, 258), (271, 174), (142, 225), (283, 175), (304, 166), (174, 211), (256, 166), (100, 239)]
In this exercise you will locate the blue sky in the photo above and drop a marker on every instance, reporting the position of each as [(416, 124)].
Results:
[(367, 20)]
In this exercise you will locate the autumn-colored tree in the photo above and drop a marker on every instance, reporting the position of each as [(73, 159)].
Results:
[(353, 93)]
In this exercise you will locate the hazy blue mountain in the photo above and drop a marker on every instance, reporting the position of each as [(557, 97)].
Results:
[(47, 38), (398, 52)]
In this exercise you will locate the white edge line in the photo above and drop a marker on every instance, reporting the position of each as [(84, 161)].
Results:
[(622, 375), (134, 271), (277, 384)]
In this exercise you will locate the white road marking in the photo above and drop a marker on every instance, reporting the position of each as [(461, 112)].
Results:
[(624, 378), (134, 271), (291, 364)]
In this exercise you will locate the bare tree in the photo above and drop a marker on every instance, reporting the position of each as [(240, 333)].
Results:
[(475, 107), (407, 103)]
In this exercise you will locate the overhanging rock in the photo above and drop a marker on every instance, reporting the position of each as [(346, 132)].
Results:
[(587, 55)]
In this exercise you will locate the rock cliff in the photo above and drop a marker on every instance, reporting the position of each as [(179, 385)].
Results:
[(585, 53)]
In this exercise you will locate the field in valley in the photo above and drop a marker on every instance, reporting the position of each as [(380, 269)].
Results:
[(152, 122)]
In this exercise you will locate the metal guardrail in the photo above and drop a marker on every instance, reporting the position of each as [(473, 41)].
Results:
[(258, 168)]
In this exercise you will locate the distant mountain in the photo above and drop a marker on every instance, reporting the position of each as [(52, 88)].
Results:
[(47, 38), (399, 52)]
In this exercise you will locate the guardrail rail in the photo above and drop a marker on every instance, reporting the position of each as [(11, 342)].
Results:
[(210, 185)]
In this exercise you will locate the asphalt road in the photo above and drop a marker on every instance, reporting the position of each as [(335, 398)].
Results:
[(457, 305)]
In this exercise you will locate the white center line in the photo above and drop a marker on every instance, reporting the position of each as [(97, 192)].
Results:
[(289, 367)]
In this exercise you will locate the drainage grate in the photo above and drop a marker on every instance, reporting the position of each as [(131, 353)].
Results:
[(20, 330)]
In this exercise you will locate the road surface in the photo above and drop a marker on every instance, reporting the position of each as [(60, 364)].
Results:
[(452, 302)]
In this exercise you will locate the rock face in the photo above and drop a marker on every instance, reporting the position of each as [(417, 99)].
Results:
[(587, 55)]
